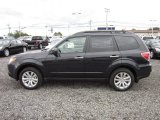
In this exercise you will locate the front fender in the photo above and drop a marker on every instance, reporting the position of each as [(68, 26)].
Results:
[(30, 63)]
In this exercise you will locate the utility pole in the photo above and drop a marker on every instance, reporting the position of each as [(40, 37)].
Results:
[(46, 29), (90, 24), (152, 25), (107, 11), (9, 28)]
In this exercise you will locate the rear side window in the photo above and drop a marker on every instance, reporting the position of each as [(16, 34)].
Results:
[(101, 44), (126, 43)]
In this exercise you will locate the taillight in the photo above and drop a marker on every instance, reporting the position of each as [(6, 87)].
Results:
[(146, 55)]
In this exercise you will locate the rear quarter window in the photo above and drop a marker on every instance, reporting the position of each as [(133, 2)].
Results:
[(126, 43)]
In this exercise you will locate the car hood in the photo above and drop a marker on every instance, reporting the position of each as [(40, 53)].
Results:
[(3, 45), (38, 54)]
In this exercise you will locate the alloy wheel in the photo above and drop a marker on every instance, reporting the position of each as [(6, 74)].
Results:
[(122, 80), (30, 79), (6, 52), (24, 49)]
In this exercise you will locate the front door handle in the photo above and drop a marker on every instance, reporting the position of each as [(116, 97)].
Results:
[(113, 56), (78, 57)]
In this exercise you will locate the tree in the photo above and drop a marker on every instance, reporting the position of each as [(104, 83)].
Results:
[(17, 34), (58, 34)]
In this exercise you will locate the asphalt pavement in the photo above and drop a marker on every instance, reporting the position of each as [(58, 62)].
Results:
[(79, 100)]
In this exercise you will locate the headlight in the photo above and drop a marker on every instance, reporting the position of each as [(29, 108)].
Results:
[(1, 48), (12, 60), (157, 49)]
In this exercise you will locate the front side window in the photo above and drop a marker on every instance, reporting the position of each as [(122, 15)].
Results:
[(102, 44), (73, 45), (127, 43)]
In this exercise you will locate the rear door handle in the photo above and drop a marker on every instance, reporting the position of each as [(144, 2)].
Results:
[(113, 56), (78, 57)]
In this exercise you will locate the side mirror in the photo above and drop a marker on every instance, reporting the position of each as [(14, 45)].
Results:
[(55, 52)]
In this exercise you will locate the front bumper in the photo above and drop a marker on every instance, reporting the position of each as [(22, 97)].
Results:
[(1, 52), (12, 71)]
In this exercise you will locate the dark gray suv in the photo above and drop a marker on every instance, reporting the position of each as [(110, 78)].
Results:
[(119, 57)]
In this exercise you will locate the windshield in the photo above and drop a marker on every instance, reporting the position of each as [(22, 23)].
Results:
[(4, 42)]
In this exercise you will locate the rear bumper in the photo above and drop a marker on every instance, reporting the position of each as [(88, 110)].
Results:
[(144, 71)]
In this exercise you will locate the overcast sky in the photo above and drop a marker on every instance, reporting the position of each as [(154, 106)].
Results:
[(34, 15)]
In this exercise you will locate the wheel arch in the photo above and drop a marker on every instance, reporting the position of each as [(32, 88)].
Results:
[(129, 67), (28, 65)]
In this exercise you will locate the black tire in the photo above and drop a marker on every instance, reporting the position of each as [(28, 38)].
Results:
[(29, 47), (40, 46), (118, 71), (37, 72), (153, 54), (24, 49), (6, 52)]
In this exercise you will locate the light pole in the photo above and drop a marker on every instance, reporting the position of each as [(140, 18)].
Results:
[(9, 28), (107, 11), (73, 14), (46, 29), (90, 24), (152, 25)]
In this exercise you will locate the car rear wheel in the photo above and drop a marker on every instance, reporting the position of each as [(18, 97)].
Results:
[(40, 46), (152, 55), (122, 79), (6, 53), (24, 49), (30, 78)]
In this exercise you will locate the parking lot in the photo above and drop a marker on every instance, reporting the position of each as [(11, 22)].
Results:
[(89, 100)]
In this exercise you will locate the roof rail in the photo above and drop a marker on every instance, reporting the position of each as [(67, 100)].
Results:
[(105, 31)]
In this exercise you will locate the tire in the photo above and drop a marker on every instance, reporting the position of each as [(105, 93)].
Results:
[(40, 46), (6, 53), (24, 49), (152, 54), (118, 82), (26, 77)]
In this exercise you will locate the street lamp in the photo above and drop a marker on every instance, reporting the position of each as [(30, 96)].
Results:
[(152, 25), (9, 28), (107, 11)]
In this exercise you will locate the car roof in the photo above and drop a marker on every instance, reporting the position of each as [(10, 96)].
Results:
[(107, 32)]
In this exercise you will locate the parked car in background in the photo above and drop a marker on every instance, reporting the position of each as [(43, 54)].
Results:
[(23, 38), (146, 38), (55, 38), (6, 37), (117, 56), (36, 41), (154, 47), (53, 43), (158, 37), (8, 46)]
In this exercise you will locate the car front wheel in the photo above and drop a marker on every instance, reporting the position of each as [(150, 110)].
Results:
[(6, 53), (122, 79), (24, 49), (30, 78), (40, 46)]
